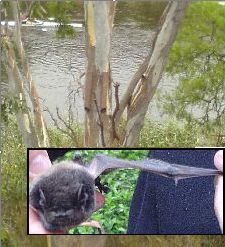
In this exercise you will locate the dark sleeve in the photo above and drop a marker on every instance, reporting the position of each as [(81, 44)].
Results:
[(161, 207)]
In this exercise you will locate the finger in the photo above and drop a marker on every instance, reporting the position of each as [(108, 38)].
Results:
[(99, 200), (218, 200), (38, 162), (34, 153), (218, 160), (92, 223), (35, 226)]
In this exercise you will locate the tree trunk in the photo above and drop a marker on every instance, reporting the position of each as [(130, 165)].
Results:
[(16, 87), (98, 93), (99, 17), (145, 81), (39, 122)]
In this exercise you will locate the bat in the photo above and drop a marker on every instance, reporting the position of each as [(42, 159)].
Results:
[(64, 196)]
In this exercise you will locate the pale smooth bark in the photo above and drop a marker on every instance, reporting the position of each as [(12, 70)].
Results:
[(145, 81), (39, 122), (99, 126), (16, 87), (99, 17)]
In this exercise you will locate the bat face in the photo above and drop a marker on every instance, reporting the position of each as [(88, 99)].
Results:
[(64, 196)]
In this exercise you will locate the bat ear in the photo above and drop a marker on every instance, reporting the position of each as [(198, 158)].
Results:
[(42, 200), (83, 195)]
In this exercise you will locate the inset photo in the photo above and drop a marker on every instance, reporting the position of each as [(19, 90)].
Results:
[(125, 191)]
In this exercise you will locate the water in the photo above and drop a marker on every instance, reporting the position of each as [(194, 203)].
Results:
[(41, 23), (57, 64)]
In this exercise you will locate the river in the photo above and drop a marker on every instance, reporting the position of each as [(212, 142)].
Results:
[(57, 64)]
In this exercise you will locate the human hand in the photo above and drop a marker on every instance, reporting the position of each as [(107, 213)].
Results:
[(218, 201)]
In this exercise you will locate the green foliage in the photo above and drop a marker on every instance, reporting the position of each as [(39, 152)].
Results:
[(65, 137), (13, 187), (121, 183), (65, 31), (14, 160), (144, 13), (62, 12), (198, 59), (170, 134), (88, 155), (10, 106)]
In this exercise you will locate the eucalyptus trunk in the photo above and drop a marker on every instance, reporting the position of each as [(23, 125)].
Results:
[(99, 17), (145, 81), (100, 123), (16, 89), (39, 123)]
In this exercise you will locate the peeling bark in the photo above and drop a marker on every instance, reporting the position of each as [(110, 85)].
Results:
[(39, 122), (16, 87), (145, 82), (99, 17)]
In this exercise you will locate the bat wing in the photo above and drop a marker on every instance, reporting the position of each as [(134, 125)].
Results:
[(102, 162)]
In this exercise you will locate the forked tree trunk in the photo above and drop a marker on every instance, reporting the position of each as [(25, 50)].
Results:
[(99, 17), (98, 93), (144, 84)]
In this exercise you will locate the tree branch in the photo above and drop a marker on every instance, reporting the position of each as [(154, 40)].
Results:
[(114, 133), (100, 123)]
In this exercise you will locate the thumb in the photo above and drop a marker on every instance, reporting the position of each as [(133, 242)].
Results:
[(38, 162), (219, 189), (218, 160)]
